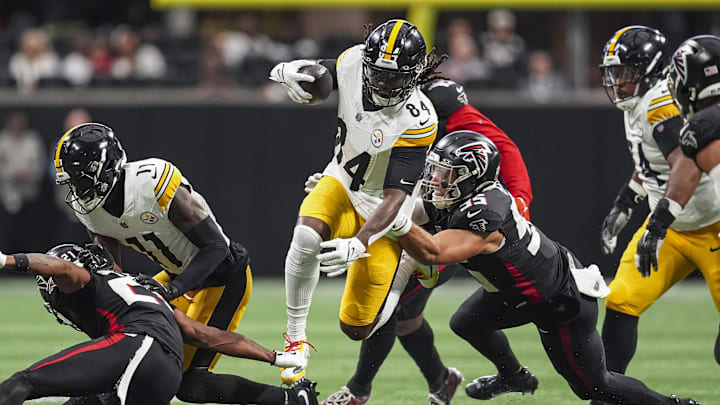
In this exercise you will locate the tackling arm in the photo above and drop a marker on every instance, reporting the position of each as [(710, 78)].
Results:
[(67, 276), (448, 246)]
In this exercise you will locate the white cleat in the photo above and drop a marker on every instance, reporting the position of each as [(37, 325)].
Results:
[(290, 376)]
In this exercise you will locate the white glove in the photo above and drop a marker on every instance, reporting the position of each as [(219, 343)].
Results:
[(3, 259), (286, 73), (341, 256), (312, 181), (290, 360)]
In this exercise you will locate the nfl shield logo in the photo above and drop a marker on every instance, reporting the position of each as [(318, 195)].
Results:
[(376, 138)]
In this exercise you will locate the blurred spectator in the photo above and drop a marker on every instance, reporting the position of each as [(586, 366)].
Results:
[(213, 73), (36, 60), (135, 60), (543, 83), (503, 49), (463, 64), (22, 163), (76, 66), (75, 117), (100, 58)]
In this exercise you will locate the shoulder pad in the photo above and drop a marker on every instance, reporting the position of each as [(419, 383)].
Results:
[(447, 96), (660, 103), (163, 177), (350, 55), (699, 130), (483, 213)]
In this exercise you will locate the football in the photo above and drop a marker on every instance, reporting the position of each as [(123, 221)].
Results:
[(323, 84)]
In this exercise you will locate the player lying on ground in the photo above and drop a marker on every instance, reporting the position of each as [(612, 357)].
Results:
[(540, 281), (148, 205), (407, 323), (685, 219), (137, 337), (385, 125)]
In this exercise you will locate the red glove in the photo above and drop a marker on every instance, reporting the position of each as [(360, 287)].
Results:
[(522, 207)]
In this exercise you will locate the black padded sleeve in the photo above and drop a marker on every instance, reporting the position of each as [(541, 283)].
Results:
[(666, 134), (331, 65), (405, 167), (213, 249), (447, 97), (701, 129)]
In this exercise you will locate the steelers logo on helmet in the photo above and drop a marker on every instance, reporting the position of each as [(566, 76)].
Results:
[(89, 159), (394, 56), (632, 62), (461, 163), (694, 72)]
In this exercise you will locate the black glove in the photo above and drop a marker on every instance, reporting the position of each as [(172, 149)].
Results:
[(168, 292), (619, 215), (646, 257), (95, 257)]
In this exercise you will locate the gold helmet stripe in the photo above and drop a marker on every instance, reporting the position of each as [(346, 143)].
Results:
[(393, 37), (57, 151), (611, 49)]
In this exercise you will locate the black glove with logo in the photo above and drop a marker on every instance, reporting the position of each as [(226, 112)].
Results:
[(628, 197), (646, 257), (169, 292)]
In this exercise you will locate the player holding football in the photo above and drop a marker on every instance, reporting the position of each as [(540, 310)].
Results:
[(540, 282), (408, 323), (136, 347), (694, 83), (149, 206), (685, 217), (385, 125)]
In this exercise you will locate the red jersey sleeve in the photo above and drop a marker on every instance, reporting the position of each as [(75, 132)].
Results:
[(512, 166)]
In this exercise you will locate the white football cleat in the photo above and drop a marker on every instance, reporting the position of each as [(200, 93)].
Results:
[(302, 348)]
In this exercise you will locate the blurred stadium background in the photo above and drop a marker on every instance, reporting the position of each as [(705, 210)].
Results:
[(187, 81)]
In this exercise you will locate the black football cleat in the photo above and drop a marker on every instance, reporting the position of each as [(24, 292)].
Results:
[(302, 393), (444, 395), (491, 386), (684, 401)]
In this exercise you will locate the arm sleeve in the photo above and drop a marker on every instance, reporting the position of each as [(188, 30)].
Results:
[(331, 65), (405, 168), (213, 249), (512, 166), (666, 134)]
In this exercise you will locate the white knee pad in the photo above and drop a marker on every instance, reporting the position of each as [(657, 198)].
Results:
[(302, 272), (300, 260)]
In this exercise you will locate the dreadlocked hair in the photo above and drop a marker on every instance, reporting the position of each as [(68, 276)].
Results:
[(429, 74), (367, 30)]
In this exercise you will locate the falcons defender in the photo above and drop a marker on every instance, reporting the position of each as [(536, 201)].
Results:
[(685, 218), (385, 125)]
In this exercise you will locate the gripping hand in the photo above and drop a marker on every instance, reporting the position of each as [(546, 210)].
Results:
[(287, 74), (340, 254)]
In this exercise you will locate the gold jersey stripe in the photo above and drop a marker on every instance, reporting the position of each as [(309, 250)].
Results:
[(162, 179), (337, 63), (420, 130), (393, 37), (661, 99), (662, 113), (416, 142), (611, 49), (57, 151), (169, 193)]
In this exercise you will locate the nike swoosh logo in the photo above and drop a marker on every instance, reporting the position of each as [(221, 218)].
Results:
[(303, 394), (407, 183), (424, 122), (716, 249), (473, 214)]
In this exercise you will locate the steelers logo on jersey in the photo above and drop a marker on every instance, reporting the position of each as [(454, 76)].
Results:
[(148, 218), (377, 138)]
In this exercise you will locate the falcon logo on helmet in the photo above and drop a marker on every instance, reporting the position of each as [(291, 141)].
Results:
[(693, 73)]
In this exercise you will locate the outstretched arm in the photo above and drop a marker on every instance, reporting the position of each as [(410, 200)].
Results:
[(232, 344), (67, 276), (449, 246)]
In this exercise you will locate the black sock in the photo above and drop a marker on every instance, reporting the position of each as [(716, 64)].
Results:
[(717, 348), (373, 352), (420, 344), (620, 339), (203, 387)]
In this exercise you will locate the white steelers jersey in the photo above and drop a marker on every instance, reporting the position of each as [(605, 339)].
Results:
[(653, 109), (365, 139), (144, 225)]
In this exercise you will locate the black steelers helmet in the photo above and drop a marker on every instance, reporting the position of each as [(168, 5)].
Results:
[(459, 164), (694, 74), (633, 56), (393, 58), (89, 159)]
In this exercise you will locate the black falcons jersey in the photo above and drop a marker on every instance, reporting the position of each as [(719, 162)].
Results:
[(447, 97), (114, 302), (700, 129), (533, 267)]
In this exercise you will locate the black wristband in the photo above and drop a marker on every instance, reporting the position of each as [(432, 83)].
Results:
[(661, 218), (627, 197), (22, 263)]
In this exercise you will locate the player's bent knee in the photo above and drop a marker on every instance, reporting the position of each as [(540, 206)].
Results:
[(408, 326), (15, 389), (618, 300), (304, 247), (461, 324), (192, 387), (356, 332)]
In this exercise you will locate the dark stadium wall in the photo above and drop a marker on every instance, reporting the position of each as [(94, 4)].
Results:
[(250, 164)]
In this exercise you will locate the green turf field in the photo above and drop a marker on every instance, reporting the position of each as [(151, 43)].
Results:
[(674, 353)]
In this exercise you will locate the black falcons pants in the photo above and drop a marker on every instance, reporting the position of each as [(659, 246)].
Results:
[(141, 370)]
